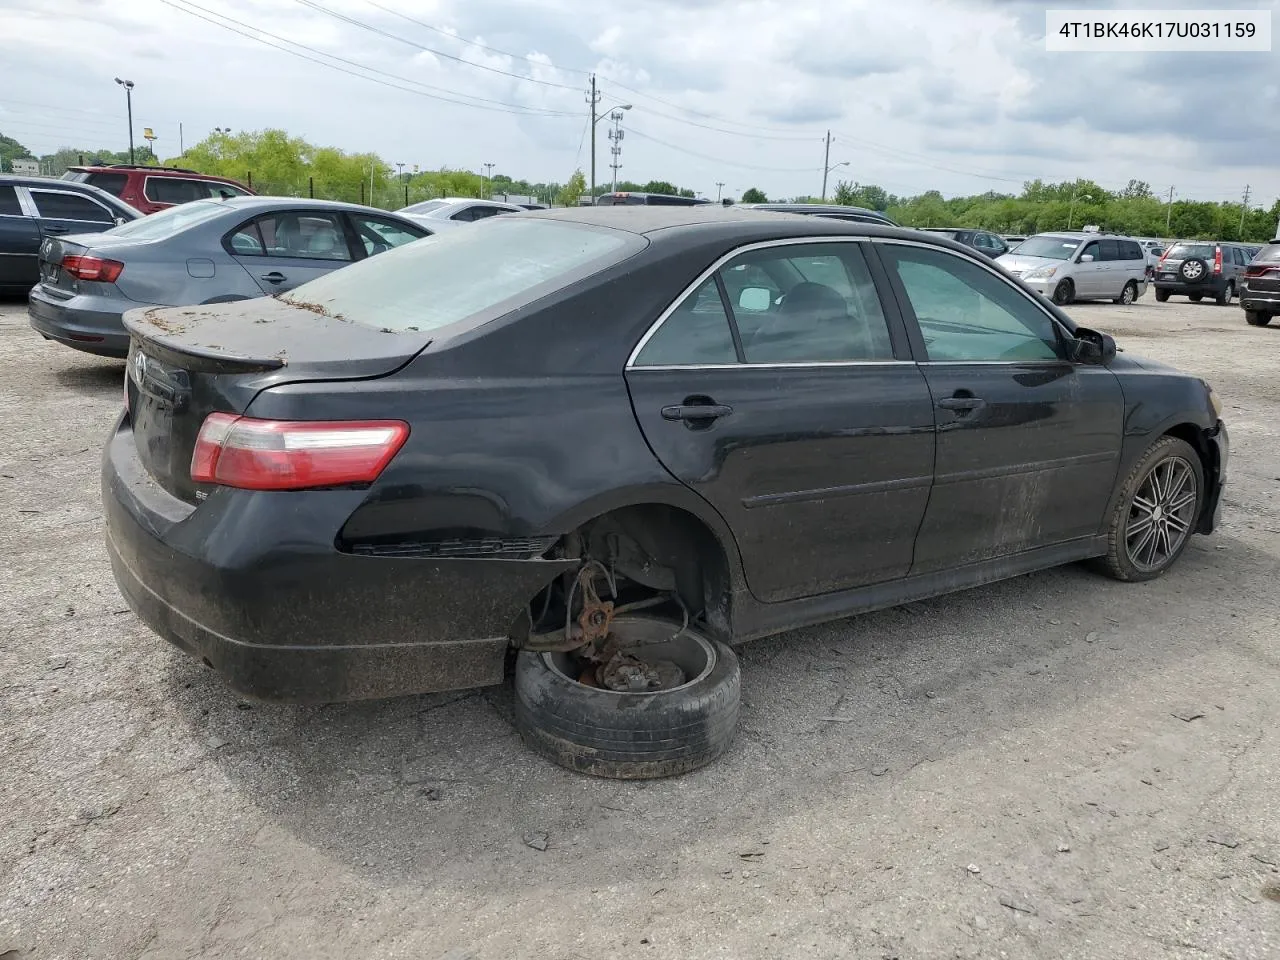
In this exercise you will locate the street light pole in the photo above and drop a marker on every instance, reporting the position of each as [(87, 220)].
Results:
[(128, 97), (719, 187), (488, 179)]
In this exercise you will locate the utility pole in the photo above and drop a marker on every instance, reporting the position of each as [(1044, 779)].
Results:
[(593, 99), (616, 135), (1168, 217), (181, 147), (826, 166), (719, 187), (1244, 208), (1071, 211), (488, 178)]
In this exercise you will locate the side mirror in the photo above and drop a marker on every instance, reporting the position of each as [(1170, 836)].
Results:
[(1090, 346), (754, 299), (1086, 258)]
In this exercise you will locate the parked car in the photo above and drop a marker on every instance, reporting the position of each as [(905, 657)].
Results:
[(1197, 270), (1260, 286), (209, 251), (631, 198), (379, 483), (151, 189), (460, 209), (35, 208), (985, 243), (1080, 266), (834, 211)]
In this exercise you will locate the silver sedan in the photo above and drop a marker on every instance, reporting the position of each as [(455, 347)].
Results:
[(209, 251)]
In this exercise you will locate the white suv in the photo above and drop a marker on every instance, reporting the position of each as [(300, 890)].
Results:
[(1080, 266)]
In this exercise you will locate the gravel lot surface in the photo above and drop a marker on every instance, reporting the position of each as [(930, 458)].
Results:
[(1054, 766)]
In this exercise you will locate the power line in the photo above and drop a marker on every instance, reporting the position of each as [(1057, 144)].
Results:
[(480, 103), (448, 56), (732, 163)]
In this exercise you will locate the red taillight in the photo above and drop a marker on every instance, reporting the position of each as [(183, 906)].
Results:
[(1162, 258), (293, 454), (92, 268), (1217, 259)]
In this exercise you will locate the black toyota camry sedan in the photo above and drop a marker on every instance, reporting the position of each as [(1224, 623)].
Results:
[(617, 442)]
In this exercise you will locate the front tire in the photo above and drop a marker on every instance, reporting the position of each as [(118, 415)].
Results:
[(1156, 512), (1256, 318), (632, 735), (1227, 295), (1128, 294), (1064, 293)]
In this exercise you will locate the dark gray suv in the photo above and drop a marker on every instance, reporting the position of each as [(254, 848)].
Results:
[(1198, 269), (1260, 286)]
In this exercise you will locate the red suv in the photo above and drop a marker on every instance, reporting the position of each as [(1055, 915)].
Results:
[(155, 188)]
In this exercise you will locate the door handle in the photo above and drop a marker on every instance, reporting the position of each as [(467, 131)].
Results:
[(961, 405), (275, 276), (694, 413), (57, 230)]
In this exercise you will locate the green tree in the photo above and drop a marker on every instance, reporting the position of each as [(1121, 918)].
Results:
[(660, 186), (571, 191), (10, 150), (752, 195)]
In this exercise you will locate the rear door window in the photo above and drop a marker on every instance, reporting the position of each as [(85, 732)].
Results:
[(70, 206), (113, 183), (697, 333), (1108, 250), (828, 310), (9, 206), (294, 234), (174, 190)]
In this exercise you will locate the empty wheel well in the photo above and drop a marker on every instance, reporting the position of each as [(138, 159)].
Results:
[(648, 551)]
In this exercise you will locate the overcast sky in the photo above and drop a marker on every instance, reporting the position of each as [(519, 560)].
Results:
[(958, 96)]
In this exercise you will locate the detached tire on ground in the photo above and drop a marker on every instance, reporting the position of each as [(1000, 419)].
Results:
[(632, 736)]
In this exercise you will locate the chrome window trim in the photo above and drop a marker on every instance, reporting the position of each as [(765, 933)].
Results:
[(771, 366), (1003, 277), (111, 214), (706, 274), (25, 203)]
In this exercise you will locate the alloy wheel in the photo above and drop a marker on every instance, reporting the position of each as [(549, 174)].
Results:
[(1161, 514)]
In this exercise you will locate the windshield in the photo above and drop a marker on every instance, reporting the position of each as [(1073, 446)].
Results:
[(425, 207), (1185, 251), (1047, 246), (166, 223), (452, 276)]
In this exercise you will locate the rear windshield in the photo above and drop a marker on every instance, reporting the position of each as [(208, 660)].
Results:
[(1185, 251), (425, 207), (1050, 247), (1268, 254), (166, 223), (503, 263), (75, 176)]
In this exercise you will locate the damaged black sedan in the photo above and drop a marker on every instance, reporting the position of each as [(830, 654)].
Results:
[(618, 441)]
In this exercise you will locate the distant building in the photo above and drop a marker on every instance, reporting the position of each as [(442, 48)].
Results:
[(26, 167)]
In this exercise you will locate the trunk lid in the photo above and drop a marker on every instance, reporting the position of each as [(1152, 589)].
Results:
[(187, 362)]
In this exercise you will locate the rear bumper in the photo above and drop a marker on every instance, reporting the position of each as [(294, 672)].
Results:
[(77, 325), (1266, 301), (1210, 287), (252, 585)]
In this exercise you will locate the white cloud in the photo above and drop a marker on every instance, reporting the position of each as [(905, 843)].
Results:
[(958, 96)]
